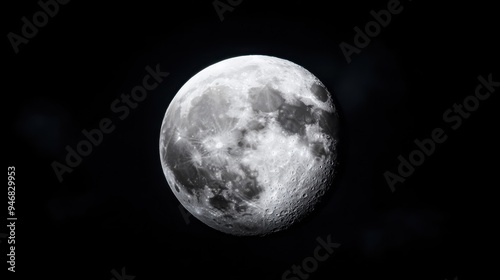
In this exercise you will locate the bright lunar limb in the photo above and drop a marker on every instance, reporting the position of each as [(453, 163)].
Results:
[(248, 145)]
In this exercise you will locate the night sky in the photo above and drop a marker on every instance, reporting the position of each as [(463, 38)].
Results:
[(115, 209)]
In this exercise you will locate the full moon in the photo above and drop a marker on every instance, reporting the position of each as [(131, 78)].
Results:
[(249, 144)]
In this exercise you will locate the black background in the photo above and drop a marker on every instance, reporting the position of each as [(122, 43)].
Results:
[(116, 209)]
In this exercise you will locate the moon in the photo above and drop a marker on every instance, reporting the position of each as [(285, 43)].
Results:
[(249, 144)]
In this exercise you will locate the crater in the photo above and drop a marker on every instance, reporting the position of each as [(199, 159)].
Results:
[(319, 91)]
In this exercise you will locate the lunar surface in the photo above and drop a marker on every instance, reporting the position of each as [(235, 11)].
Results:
[(248, 145)]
